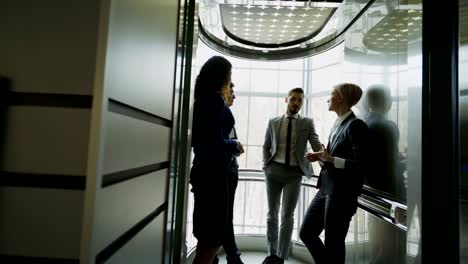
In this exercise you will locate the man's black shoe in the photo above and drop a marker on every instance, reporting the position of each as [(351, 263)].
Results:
[(235, 259), (273, 259)]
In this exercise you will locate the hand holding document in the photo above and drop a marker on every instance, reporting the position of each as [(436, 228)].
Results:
[(313, 156), (322, 155), (325, 155)]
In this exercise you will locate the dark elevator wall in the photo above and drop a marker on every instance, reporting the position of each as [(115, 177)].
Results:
[(86, 149)]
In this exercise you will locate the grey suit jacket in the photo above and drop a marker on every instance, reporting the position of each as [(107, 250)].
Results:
[(305, 131)]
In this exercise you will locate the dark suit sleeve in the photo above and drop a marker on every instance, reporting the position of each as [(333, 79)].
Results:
[(357, 135), (267, 143), (208, 133), (227, 144), (313, 137)]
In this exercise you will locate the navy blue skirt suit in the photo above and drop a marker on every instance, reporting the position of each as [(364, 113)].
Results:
[(213, 153)]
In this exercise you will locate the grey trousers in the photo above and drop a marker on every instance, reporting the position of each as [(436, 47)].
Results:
[(285, 181)]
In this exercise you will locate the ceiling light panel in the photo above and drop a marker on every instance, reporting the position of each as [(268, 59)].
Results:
[(273, 26)]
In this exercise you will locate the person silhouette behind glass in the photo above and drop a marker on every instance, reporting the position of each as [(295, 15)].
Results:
[(213, 151), (230, 247), (340, 181), (386, 164), (386, 169)]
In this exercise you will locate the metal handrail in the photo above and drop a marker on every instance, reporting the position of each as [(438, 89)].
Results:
[(384, 208)]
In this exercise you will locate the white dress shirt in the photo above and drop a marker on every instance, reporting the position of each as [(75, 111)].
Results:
[(280, 156), (338, 162)]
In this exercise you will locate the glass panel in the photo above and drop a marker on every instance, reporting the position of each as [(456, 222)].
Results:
[(254, 157), (281, 102), (463, 101), (241, 63), (241, 79), (380, 72), (251, 205), (323, 121), (265, 65), (292, 64), (321, 81), (261, 110), (240, 110), (332, 56), (289, 80), (264, 80)]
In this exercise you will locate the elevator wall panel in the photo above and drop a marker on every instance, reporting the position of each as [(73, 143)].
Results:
[(122, 205), (49, 46), (46, 140), (128, 188), (132, 143), (141, 54), (145, 248), (48, 52), (40, 222)]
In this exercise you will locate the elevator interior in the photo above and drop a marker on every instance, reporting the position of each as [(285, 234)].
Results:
[(277, 45)]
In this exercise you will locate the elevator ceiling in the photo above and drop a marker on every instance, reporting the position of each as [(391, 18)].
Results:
[(278, 30)]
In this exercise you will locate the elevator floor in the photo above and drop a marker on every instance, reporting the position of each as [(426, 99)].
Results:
[(249, 257)]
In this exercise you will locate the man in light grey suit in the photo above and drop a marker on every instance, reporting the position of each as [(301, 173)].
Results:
[(284, 165)]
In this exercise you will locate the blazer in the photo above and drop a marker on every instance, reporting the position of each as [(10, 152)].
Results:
[(305, 131), (212, 145), (350, 143)]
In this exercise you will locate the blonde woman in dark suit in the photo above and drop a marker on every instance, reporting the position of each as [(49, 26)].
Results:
[(340, 181)]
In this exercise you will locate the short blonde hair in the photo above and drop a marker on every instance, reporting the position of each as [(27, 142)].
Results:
[(351, 93)]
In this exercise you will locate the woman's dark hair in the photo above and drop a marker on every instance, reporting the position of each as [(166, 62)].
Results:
[(213, 75)]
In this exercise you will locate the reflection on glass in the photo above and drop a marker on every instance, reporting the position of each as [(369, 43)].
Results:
[(376, 57), (386, 242), (386, 165)]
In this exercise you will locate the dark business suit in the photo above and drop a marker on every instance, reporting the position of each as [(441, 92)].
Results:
[(229, 245), (285, 182), (336, 202), (213, 149)]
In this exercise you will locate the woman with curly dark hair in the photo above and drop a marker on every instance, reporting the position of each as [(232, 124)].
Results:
[(214, 151)]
